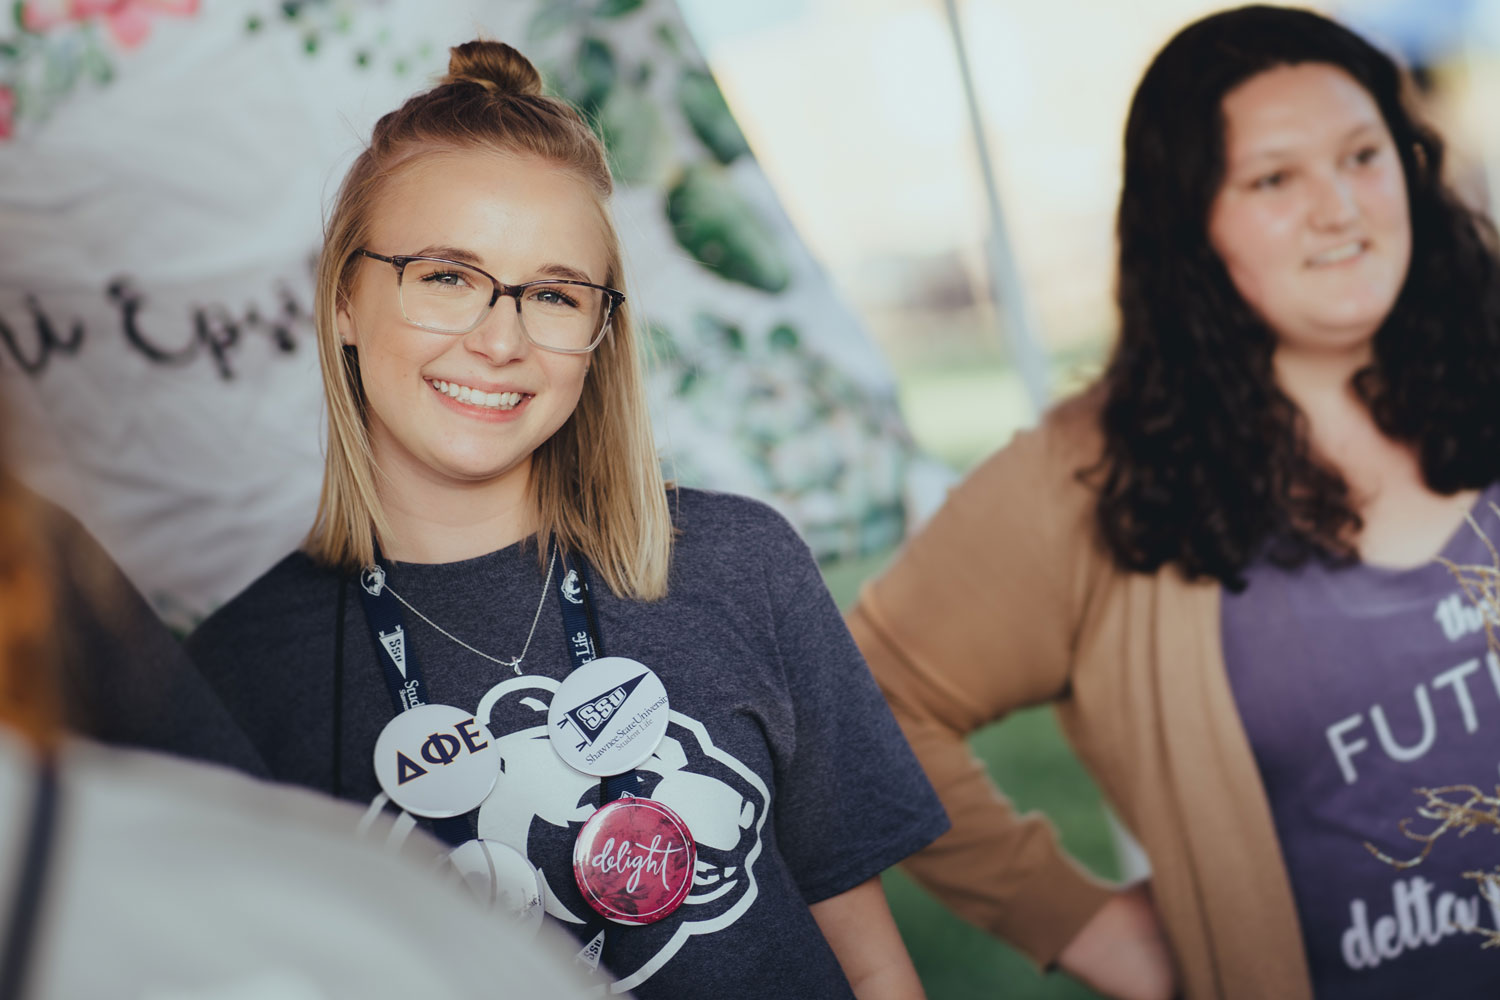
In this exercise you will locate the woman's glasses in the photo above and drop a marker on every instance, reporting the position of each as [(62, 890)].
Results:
[(444, 296)]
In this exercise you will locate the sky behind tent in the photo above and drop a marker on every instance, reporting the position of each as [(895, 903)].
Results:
[(855, 109)]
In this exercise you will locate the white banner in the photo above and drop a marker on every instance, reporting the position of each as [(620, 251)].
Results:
[(164, 168)]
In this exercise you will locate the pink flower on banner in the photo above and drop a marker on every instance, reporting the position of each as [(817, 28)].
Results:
[(7, 112), (129, 20)]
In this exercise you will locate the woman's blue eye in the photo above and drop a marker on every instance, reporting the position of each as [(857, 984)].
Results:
[(452, 278), (553, 297)]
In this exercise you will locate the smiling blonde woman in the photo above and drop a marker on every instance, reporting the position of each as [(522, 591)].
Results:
[(632, 708)]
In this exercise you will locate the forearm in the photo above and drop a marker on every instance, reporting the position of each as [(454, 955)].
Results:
[(1122, 952), (859, 928)]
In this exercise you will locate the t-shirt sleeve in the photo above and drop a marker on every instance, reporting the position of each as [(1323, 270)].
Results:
[(851, 798)]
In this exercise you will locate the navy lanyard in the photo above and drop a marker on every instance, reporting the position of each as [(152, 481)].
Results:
[(402, 670), (399, 666), (403, 673), (26, 905), (397, 659), (585, 643)]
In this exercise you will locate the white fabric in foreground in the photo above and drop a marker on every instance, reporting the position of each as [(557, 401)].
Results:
[(180, 881)]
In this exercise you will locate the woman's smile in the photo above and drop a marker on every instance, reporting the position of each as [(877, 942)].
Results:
[(473, 400)]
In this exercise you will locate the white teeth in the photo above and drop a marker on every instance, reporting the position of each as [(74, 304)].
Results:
[(488, 400), (1338, 254)]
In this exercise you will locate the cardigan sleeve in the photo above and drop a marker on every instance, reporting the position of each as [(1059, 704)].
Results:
[(974, 619)]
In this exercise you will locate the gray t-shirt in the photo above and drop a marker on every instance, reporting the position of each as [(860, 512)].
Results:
[(781, 754), (1357, 686)]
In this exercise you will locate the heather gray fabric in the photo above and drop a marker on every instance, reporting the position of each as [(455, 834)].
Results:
[(781, 754), (1357, 686)]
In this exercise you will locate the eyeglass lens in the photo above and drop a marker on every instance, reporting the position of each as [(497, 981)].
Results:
[(451, 298)]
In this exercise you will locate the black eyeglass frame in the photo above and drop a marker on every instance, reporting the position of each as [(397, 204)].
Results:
[(613, 298)]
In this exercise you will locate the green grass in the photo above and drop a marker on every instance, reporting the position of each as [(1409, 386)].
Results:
[(959, 414)]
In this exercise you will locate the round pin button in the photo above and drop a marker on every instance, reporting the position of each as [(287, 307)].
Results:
[(502, 878), (436, 761), (608, 716), (634, 861)]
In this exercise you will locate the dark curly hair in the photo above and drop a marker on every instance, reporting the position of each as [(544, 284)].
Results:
[(1206, 462)]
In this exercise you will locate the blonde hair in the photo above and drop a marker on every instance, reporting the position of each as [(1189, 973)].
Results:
[(29, 696), (597, 482)]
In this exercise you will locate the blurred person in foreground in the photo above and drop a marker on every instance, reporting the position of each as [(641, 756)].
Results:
[(639, 698), (1218, 562), (125, 873), (122, 676)]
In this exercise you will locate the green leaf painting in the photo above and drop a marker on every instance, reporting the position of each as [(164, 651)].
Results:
[(549, 19), (616, 8), (719, 332), (712, 221), (703, 106), (593, 76), (640, 148)]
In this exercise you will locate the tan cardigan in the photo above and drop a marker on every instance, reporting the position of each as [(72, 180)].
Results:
[(1006, 600)]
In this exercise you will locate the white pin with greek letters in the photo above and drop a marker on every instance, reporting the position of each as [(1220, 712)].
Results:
[(608, 716), (436, 761)]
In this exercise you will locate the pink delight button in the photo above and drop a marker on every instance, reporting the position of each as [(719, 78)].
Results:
[(634, 861)]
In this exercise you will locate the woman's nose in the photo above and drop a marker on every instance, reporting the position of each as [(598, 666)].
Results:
[(1334, 205), (500, 338)]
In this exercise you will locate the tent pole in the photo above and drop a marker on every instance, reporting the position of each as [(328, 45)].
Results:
[(1019, 324)]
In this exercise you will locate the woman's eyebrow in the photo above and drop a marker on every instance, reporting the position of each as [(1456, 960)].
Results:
[(564, 271), (451, 253), (1362, 127)]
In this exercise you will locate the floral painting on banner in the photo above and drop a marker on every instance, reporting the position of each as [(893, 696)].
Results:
[(165, 167)]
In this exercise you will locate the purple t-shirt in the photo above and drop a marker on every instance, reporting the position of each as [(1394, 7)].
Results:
[(1357, 686)]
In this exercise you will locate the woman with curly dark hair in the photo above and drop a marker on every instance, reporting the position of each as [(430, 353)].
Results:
[(1218, 564)]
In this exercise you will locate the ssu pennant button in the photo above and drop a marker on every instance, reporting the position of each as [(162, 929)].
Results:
[(436, 761), (608, 716), (634, 860)]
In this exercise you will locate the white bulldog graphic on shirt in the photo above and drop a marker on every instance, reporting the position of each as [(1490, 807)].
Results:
[(722, 801)]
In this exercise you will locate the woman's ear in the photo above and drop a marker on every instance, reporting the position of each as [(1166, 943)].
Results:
[(345, 323)]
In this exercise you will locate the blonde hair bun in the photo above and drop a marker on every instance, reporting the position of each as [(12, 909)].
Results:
[(495, 66)]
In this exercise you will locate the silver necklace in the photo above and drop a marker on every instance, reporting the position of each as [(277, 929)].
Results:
[(514, 664)]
